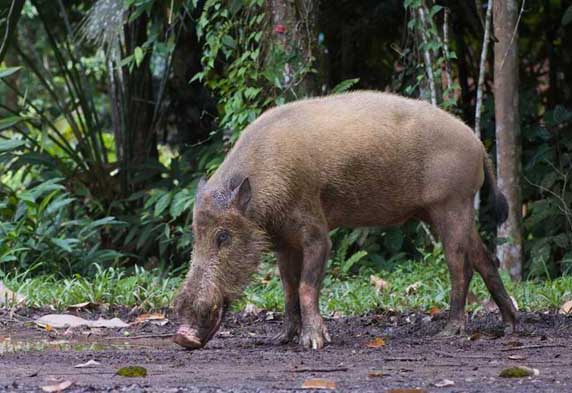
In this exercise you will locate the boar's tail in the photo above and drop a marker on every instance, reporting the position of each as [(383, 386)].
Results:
[(499, 200)]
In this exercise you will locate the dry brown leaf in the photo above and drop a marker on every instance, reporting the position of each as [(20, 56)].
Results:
[(377, 342), (57, 387), (475, 336), (149, 317), (84, 305), (566, 307), (434, 311), (375, 374), (379, 283), (472, 298), (319, 383)]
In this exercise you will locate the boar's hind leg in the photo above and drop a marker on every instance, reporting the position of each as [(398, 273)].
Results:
[(290, 264), (452, 221), (316, 248), (488, 269)]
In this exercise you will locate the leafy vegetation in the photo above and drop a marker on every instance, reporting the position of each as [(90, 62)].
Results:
[(106, 128), (412, 285)]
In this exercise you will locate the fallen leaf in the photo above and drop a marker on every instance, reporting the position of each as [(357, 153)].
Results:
[(407, 390), (472, 298), (57, 387), (149, 317), (444, 383), (434, 311), (566, 307), (379, 283), (519, 372), (84, 305), (412, 289), (58, 321), (132, 371), (319, 384), (89, 363), (475, 336), (10, 298), (517, 357), (251, 309), (377, 342), (375, 374)]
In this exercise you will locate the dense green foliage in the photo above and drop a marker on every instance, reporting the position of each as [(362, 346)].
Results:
[(104, 132)]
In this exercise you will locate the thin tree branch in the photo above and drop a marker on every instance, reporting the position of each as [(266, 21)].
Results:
[(446, 50), (427, 57), (482, 68), (513, 34), (11, 22)]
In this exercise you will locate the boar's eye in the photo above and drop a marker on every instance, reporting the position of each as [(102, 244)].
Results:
[(221, 238)]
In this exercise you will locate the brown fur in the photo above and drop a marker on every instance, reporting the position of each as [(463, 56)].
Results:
[(357, 159)]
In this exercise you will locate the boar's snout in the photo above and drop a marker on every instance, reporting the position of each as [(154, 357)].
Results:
[(202, 325)]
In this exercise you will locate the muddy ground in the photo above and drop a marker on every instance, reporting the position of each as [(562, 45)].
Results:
[(242, 357)]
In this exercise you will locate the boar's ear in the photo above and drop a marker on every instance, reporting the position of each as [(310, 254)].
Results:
[(240, 195)]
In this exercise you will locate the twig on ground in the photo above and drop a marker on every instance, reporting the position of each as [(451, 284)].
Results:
[(404, 359), (463, 356), (318, 370), (164, 335), (533, 347)]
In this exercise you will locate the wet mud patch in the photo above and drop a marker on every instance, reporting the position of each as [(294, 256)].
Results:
[(242, 357)]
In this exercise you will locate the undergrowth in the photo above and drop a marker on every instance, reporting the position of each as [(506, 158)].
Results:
[(411, 286)]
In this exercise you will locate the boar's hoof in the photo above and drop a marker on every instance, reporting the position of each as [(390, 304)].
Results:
[(286, 337), (512, 328), (187, 337), (315, 337), (453, 328), (290, 332)]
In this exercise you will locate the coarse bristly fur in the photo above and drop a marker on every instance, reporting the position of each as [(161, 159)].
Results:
[(356, 159)]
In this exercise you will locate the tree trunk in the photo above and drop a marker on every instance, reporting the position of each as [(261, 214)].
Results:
[(141, 143), (294, 33), (508, 133)]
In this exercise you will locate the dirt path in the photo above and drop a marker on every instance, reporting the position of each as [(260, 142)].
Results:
[(242, 359)]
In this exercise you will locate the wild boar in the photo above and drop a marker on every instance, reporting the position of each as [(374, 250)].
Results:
[(353, 160)]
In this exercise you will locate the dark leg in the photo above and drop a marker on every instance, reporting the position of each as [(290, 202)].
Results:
[(290, 265), (316, 248), (488, 270), (452, 222)]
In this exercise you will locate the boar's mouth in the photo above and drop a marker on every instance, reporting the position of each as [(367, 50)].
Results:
[(191, 337)]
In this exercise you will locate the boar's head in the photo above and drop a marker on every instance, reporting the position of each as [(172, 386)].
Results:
[(226, 252)]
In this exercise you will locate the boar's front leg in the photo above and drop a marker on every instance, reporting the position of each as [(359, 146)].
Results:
[(316, 247), (290, 265)]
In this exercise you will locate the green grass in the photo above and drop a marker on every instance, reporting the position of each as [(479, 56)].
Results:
[(149, 290), (347, 295)]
